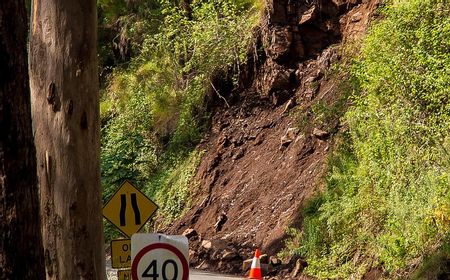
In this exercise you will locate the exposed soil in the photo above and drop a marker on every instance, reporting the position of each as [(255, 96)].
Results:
[(262, 160)]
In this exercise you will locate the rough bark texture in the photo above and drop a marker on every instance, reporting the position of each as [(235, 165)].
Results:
[(21, 254), (64, 89)]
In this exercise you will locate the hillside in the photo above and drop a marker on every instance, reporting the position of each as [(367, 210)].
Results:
[(266, 154), (314, 130)]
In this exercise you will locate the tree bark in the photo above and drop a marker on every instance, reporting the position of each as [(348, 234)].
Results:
[(21, 253), (65, 109)]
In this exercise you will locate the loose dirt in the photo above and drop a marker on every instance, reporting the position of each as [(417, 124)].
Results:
[(264, 157)]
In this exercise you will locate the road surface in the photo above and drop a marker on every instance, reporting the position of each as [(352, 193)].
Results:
[(111, 274), (200, 275), (193, 275)]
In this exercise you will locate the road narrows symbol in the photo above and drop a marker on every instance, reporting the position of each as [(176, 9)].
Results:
[(137, 214), (123, 208)]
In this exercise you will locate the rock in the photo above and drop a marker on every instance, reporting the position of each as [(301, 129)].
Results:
[(308, 15), (275, 261), (298, 48), (191, 254), (289, 136), (246, 264), (206, 244), (229, 255), (221, 265), (239, 154), (299, 267), (214, 162), (289, 105), (223, 142), (275, 78), (280, 41), (216, 255), (282, 79), (277, 12), (280, 97), (356, 17), (238, 140), (320, 133), (264, 259), (285, 142), (223, 125), (203, 266), (259, 139), (220, 221), (219, 244), (328, 57), (189, 233)]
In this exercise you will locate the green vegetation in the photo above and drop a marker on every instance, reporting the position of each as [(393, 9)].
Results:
[(153, 108), (387, 198)]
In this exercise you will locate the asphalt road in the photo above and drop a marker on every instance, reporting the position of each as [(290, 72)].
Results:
[(193, 275), (111, 274), (200, 275)]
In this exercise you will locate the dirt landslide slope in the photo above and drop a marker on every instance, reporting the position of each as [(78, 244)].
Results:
[(262, 162)]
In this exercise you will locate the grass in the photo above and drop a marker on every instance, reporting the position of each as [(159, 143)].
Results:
[(386, 203)]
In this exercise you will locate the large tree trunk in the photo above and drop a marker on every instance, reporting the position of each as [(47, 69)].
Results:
[(65, 108), (21, 253)]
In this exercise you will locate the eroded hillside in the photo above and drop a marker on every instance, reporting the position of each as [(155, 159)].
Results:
[(265, 155)]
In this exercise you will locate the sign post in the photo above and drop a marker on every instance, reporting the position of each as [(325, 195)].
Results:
[(159, 257)]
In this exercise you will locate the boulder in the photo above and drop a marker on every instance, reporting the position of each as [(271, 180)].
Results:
[(280, 97), (239, 154), (264, 258), (320, 133), (280, 41), (299, 267), (203, 266), (189, 233), (273, 260), (275, 78), (229, 255), (206, 244), (308, 16), (222, 219), (289, 136)]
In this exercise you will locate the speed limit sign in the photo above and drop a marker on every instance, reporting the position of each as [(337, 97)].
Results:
[(159, 257)]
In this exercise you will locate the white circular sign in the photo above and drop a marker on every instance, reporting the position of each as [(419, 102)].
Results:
[(159, 261)]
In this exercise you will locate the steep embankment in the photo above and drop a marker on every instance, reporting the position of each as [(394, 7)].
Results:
[(264, 156)]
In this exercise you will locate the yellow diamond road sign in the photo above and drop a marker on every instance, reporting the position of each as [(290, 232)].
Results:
[(129, 209)]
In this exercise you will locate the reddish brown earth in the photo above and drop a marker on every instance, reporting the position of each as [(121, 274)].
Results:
[(264, 157)]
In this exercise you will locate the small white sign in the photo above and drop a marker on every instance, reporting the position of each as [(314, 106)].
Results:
[(159, 257)]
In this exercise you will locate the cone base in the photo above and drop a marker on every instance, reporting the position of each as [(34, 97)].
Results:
[(255, 274)]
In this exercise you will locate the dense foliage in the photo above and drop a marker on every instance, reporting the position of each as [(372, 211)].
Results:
[(387, 198), (153, 109)]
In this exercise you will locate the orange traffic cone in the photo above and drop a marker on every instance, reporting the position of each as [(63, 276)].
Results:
[(255, 270)]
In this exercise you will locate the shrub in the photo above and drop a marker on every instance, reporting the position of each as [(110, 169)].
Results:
[(153, 108), (387, 196)]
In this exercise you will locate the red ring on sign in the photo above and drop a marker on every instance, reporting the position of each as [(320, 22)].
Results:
[(155, 246)]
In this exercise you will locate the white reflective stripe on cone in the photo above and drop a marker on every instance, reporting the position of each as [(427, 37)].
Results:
[(255, 263)]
